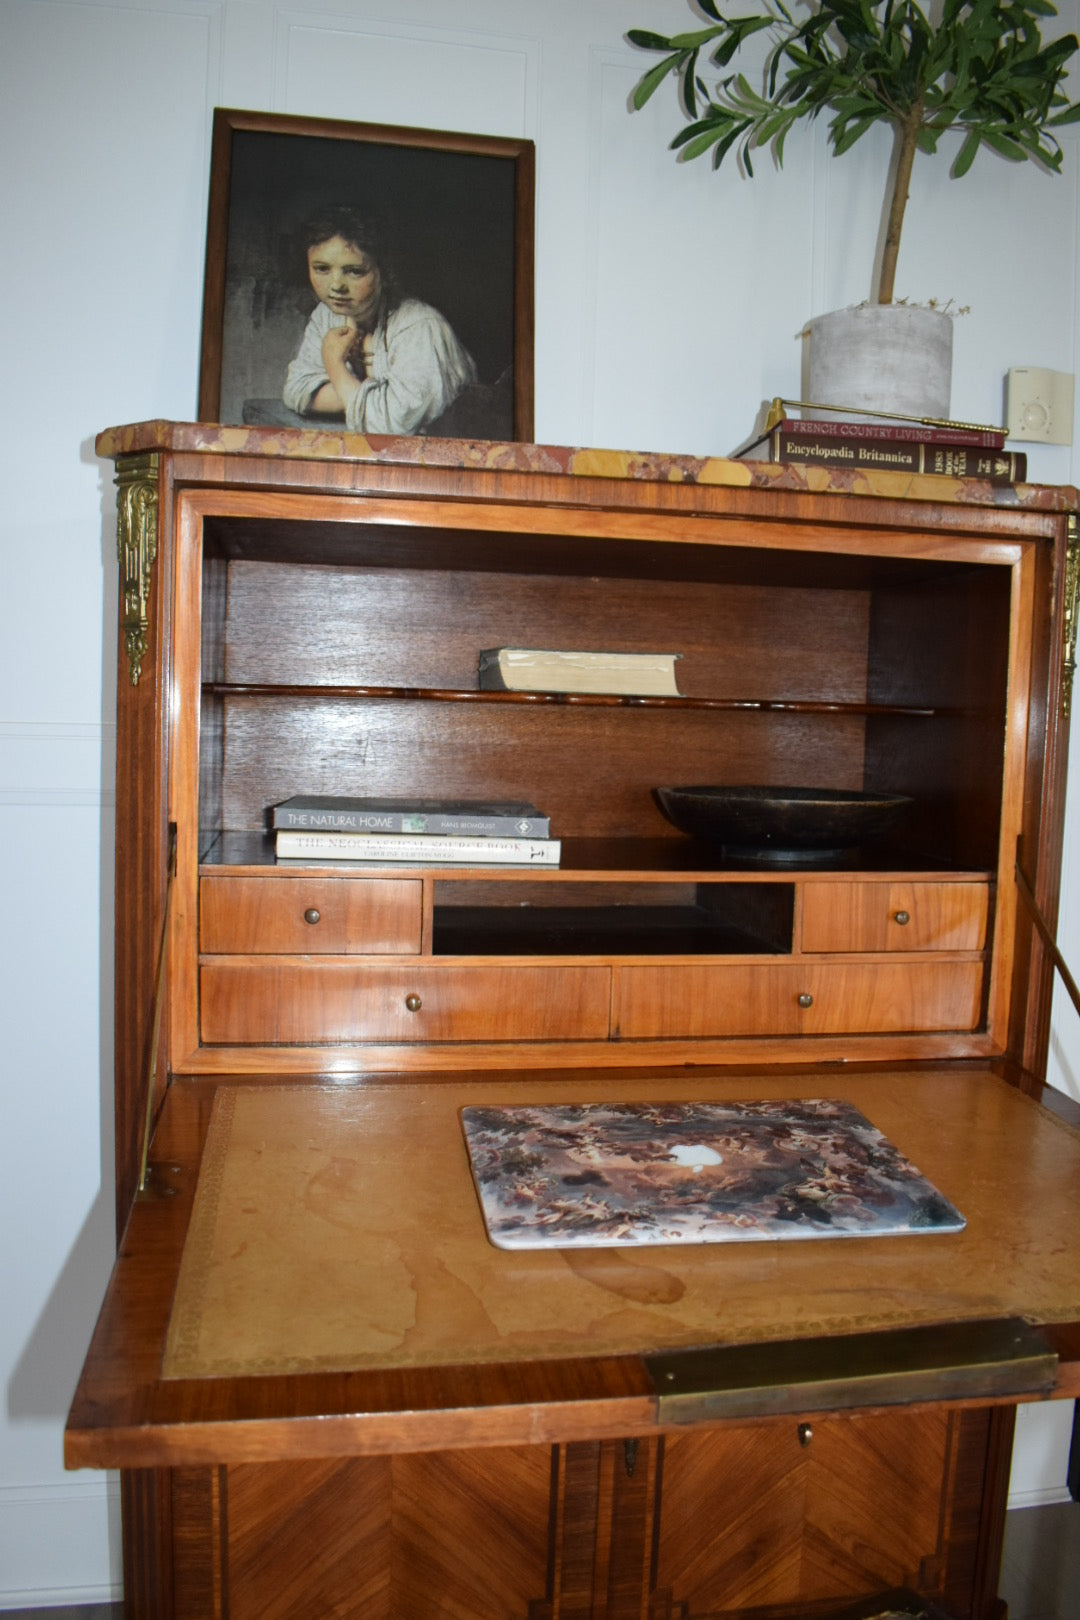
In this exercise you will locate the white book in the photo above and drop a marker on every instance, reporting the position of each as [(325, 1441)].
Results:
[(417, 848), (540, 669)]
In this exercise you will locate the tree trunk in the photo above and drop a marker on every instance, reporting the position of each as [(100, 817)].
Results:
[(908, 131)]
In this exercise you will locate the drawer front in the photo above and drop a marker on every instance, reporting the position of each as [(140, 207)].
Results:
[(790, 999), (894, 916), (283, 916), (287, 1003)]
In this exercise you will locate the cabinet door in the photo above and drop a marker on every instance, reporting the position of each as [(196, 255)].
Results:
[(797, 999), (722, 1524), (894, 916), (287, 1002), (440, 1536), (309, 914), (762, 1517)]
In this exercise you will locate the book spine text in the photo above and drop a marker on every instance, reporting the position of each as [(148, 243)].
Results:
[(417, 847), (888, 455)]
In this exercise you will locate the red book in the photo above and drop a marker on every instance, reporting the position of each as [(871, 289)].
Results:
[(886, 453), (907, 432)]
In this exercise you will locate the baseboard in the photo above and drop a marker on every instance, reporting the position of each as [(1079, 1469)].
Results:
[(60, 1544), (1047, 1496), (59, 1597)]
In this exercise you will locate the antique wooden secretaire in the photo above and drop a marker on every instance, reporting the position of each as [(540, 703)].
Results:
[(328, 1391)]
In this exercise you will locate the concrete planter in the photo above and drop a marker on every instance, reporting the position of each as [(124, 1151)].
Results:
[(881, 357)]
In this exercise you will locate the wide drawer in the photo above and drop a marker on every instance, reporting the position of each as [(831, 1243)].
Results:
[(283, 916), (894, 916), (797, 999), (257, 1003)]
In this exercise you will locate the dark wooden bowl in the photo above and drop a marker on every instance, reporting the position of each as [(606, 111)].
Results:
[(782, 824)]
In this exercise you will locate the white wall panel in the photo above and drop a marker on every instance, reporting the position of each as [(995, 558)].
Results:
[(104, 126), (80, 1521), (57, 764), (701, 280), (387, 73)]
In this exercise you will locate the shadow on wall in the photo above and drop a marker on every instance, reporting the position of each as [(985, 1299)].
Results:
[(47, 1371), (1062, 1068), (44, 1377)]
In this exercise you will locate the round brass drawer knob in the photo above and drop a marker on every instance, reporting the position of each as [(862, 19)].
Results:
[(312, 915), (806, 1000), (413, 1003), (903, 918)]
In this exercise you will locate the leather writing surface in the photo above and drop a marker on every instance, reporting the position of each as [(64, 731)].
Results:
[(339, 1229)]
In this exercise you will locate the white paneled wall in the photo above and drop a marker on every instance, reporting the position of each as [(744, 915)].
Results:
[(668, 305)]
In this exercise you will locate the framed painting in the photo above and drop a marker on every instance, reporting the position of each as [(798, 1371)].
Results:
[(370, 276)]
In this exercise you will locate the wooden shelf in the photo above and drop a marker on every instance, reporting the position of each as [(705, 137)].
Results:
[(440, 694)]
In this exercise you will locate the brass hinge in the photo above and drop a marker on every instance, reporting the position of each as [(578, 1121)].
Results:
[(951, 1361)]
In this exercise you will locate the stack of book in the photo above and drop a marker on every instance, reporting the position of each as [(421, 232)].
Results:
[(426, 832), (957, 451)]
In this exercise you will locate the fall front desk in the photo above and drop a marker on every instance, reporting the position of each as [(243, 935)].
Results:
[(328, 1391)]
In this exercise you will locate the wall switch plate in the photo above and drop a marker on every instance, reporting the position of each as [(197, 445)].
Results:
[(1039, 405)]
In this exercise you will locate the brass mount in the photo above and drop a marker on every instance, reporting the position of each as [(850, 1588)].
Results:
[(136, 547)]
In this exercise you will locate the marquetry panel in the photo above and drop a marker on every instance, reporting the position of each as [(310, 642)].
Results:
[(469, 1534), (751, 1517), (460, 1535), (310, 1538)]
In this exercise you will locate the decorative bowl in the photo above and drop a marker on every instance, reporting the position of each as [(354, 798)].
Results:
[(793, 824)]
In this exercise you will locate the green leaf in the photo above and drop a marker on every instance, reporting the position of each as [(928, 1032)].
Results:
[(648, 41), (702, 143), (841, 143), (1002, 144), (966, 155), (717, 119), (687, 76), (724, 147), (770, 128), (693, 42), (651, 81), (739, 31)]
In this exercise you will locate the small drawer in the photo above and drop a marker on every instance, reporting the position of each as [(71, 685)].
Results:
[(289, 916), (289, 1003), (789, 999), (852, 917)]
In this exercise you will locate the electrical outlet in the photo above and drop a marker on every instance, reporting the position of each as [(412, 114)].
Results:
[(1039, 405)]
